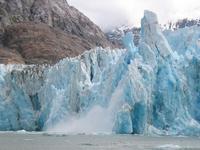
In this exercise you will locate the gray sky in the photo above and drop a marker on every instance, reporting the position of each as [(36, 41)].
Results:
[(112, 13)]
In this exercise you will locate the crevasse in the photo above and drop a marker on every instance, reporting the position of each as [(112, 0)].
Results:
[(152, 89)]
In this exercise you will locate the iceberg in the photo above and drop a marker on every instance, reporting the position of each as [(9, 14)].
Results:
[(152, 89)]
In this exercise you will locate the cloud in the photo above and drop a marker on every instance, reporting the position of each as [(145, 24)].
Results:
[(112, 13)]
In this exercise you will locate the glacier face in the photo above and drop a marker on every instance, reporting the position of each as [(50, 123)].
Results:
[(150, 89)]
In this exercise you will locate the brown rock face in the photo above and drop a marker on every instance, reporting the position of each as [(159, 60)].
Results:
[(45, 31), (39, 44), (8, 56)]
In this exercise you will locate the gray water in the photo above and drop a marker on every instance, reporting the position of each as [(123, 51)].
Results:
[(44, 141)]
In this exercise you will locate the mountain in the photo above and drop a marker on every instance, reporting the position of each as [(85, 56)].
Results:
[(182, 23), (45, 31), (149, 89), (116, 35)]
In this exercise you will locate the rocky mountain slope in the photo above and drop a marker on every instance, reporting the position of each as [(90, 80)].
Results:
[(44, 31)]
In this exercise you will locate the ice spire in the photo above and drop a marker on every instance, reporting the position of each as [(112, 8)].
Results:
[(152, 35)]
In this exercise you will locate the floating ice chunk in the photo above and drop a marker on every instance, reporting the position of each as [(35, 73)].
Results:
[(168, 147)]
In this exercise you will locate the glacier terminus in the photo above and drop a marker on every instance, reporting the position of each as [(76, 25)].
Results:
[(149, 89)]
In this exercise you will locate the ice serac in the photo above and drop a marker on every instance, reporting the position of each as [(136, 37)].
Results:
[(170, 96), (149, 89), (152, 35), (186, 42)]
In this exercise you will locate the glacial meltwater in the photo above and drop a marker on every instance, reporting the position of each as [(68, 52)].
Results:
[(45, 141)]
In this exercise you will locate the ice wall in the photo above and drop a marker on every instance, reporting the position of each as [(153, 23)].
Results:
[(150, 89)]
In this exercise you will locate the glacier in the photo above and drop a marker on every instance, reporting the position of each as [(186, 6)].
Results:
[(151, 89)]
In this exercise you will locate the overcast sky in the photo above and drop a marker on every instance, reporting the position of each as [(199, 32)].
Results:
[(112, 13)]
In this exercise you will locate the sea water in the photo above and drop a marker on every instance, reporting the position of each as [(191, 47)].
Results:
[(51, 141)]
